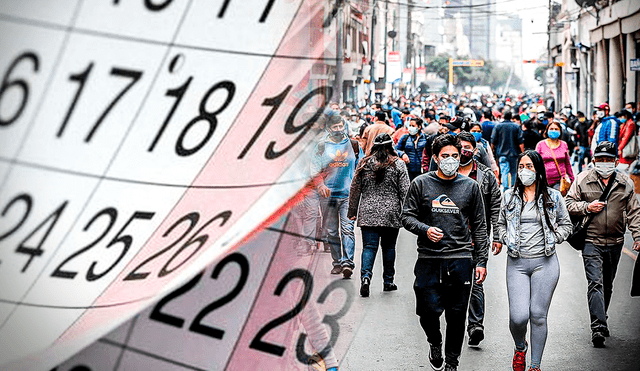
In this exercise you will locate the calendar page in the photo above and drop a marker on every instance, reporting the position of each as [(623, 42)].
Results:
[(151, 154)]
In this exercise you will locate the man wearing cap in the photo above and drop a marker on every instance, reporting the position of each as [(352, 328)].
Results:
[(605, 234), (506, 140), (371, 132), (607, 127)]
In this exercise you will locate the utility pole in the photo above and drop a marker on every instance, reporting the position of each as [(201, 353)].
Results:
[(409, 59), (549, 61), (386, 32), (337, 92), (372, 80)]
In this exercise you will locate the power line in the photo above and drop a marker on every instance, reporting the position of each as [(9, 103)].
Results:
[(446, 6)]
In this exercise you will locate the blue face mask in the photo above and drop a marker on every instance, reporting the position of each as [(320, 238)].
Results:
[(477, 135), (553, 134)]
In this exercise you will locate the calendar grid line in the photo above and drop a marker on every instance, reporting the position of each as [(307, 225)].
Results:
[(48, 84), (126, 342), (255, 299), (149, 354), (115, 154), (141, 182), (97, 186), (113, 36), (111, 305)]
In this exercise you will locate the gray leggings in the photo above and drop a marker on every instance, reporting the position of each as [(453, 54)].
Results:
[(530, 285)]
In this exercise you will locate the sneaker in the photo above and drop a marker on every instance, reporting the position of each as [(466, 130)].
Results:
[(364, 287), (449, 367), (534, 368), (476, 335), (336, 270), (597, 338), (520, 358), (347, 272), (435, 357), (389, 287), (605, 333)]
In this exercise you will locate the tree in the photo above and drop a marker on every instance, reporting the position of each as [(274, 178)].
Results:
[(489, 74)]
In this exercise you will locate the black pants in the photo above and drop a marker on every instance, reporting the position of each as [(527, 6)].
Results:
[(443, 285), (600, 266)]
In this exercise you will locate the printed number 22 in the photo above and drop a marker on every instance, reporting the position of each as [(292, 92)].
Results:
[(197, 326)]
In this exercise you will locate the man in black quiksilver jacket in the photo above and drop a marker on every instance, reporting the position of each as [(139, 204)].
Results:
[(446, 211)]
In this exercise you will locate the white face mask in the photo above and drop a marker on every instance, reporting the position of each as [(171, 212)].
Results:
[(413, 130), (600, 114), (449, 166), (527, 177), (605, 169)]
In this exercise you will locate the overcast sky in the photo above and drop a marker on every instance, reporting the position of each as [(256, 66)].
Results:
[(534, 15)]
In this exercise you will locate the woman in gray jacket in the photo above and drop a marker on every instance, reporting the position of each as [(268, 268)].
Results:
[(378, 188), (533, 220)]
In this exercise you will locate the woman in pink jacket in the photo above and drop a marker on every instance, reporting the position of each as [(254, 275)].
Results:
[(555, 154)]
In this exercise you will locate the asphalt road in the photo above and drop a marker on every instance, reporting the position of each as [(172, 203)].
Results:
[(389, 336)]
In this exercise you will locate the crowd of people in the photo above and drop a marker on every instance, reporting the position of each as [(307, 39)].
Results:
[(469, 175)]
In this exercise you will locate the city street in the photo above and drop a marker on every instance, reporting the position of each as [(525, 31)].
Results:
[(390, 338)]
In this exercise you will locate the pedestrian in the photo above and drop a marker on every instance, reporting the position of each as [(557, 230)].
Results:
[(411, 146), (476, 131), (583, 149), (530, 135), (487, 125), (533, 220), (446, 211), (555, 154), (628, 140), (471, 167), (605, 233), (336, 157), (379, 186), (506, 138), (607, 128), (380, 125)]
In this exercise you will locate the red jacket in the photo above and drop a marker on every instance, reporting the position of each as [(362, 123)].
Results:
[(626, 132)]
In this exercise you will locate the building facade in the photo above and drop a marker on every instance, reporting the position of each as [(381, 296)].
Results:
[(594, 48)]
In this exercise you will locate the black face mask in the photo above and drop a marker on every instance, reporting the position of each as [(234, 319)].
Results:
[(465, 157), (336, 134)]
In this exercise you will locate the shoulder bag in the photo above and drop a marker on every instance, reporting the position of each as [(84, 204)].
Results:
[(581, 222), (565, 181)]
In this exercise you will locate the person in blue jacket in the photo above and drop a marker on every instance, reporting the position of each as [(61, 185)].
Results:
[(411, 146), (336, 159)]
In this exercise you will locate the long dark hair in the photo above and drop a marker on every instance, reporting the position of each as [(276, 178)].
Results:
[(541, 184), (381, 157)]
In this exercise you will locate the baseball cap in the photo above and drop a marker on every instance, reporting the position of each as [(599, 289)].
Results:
[(603, 106), (456, 122), (605, 149)]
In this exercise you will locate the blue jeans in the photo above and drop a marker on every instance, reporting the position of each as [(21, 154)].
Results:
[(338, 230), (386, 237), (600, 266), (508, 171), (443, 285), (583, 152)]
